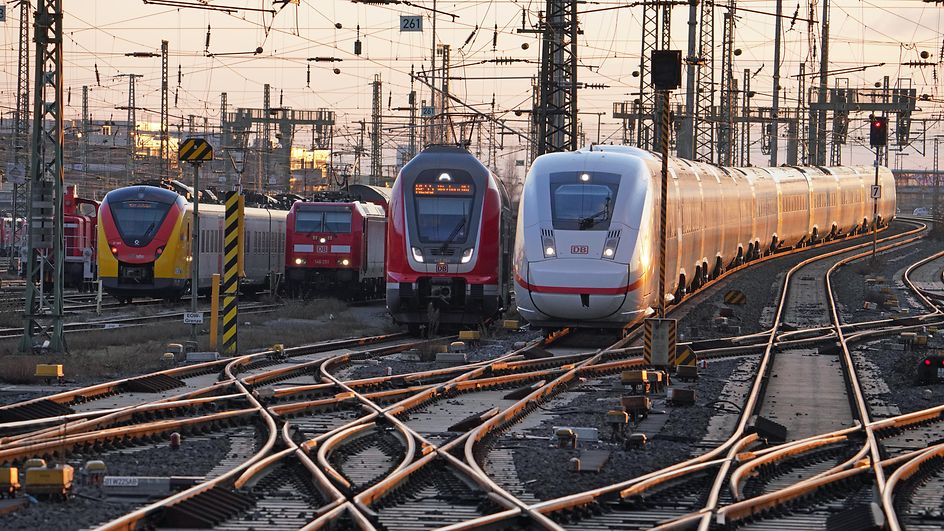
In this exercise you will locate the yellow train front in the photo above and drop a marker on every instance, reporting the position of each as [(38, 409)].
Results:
[(144, 244)]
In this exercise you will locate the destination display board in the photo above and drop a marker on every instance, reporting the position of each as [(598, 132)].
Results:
[(442, 188)]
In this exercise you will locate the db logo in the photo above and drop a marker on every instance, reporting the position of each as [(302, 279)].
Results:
[(322, 248), (441, 267), (579, 249)]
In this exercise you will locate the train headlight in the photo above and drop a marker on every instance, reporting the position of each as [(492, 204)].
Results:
[(345, 262), (114, 250), (609, 248), (322, 240), (158, 252), (299, 261), (550, 248), (417, 255), (467, 255)]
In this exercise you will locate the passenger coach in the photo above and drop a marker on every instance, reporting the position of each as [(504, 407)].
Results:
[(448, 241)]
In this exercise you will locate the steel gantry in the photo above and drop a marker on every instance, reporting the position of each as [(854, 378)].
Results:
[(132, 120), (376, 127), (726, 132), (240, 122), (44, 256), (705, 89), (556, 113), (21, 119), (165, 127)]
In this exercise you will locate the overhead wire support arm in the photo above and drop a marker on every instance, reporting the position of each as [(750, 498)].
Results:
[(208, 7), (406, 3)]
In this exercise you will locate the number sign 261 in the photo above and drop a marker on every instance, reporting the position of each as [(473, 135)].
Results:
[(411, 23)]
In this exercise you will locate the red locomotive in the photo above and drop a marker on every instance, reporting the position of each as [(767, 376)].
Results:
[(449, 241), (336, 244), (80, 229)]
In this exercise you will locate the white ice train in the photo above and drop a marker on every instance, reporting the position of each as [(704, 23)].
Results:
[(587, 240)]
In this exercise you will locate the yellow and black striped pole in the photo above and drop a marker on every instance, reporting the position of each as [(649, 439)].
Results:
[(231, 258), (663, 199)]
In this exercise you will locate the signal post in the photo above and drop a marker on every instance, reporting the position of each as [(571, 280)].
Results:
[(878, 138), (195, 151), (660, 333)]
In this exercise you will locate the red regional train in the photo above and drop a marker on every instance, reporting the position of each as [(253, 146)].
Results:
[(448, 241), (336, 242)]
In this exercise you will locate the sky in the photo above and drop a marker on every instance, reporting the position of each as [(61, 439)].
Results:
[(101, 32)]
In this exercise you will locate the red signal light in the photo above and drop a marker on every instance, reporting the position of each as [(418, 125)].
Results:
[(114, 250), (927, 362)]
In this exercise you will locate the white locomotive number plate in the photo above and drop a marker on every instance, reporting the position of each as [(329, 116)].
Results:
[(442, 268), (579, 249), (321, 249)]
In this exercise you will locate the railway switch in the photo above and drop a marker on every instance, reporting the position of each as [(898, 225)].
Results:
[(637, 407), (93, 473), (636, 380), (617, 419), (566, 438)]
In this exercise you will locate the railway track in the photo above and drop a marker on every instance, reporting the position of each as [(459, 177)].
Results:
[(418, 449)]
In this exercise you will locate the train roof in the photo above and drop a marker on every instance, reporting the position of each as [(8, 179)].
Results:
[(371, 194), (143, 192)]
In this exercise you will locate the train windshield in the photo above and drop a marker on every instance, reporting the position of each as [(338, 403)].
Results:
[(583, 201), (442, 219), (323, 221), (138, 220)]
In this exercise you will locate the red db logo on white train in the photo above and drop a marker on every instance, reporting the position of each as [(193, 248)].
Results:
[(579, 249)]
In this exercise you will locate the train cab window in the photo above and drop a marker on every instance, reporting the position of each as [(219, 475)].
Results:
[(337, 221), (583, 201), (325, 219), (138, 220)]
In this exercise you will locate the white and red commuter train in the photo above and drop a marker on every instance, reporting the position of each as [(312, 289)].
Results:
[(587, 242), (336, 245), (448, 241)]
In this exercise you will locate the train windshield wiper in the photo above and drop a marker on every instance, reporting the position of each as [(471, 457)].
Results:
[(452, 235), (148, 231), (591, 220)]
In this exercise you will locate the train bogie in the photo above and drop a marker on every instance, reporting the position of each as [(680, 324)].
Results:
[(587, 244)]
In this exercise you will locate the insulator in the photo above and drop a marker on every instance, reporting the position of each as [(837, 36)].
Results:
[(180, 75), (175, 97), (470, 37), (357, 43), (208, 38), (495, 38), (98, 79), (308, 77)]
